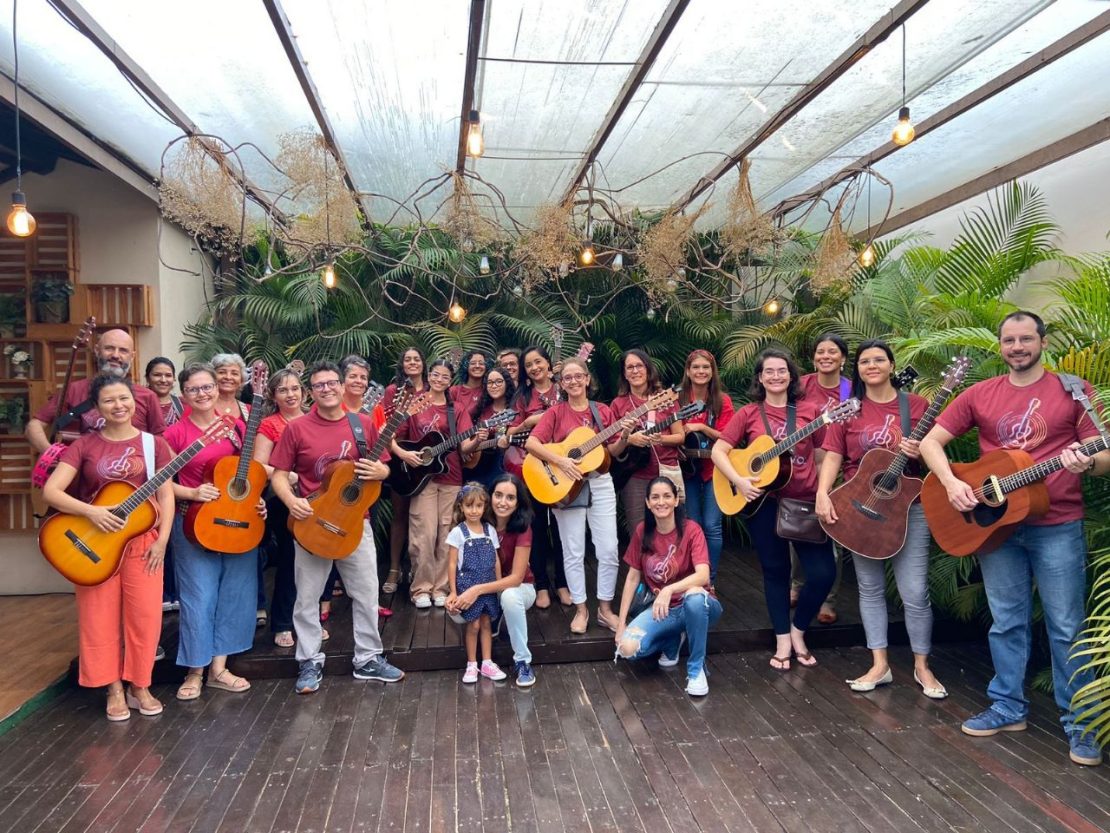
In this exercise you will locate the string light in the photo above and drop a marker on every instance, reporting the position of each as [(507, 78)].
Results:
[(21, 223), (903, 132), (587, 255), (456, 312), (329, 275), (475, 144), (772, 307), (618, 262), (483, 265), (867, 256)]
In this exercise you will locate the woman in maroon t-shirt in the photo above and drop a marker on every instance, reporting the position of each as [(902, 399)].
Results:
[(879, 424), (469, 389), (669, 554), (497, 392), (775, 390)]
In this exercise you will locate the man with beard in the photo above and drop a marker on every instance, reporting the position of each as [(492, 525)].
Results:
[(1029, 409), (114, 353)]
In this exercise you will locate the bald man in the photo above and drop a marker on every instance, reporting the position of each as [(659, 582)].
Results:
[(114, 353)]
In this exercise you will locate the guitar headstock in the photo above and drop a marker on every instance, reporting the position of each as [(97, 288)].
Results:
[(259, 376), (85, 333), (585, 351), (904, 378), (406, 402), (955, 373), (219, 429), (297, 366), (662, 399), (373, 395), (557, 332), (499, 419), (843, 412), (691, 410)]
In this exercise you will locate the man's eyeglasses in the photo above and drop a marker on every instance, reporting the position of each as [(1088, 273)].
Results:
[(326, 384)]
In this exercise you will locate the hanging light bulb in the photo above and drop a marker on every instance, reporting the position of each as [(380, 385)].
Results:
[(772, 307), (867, 256), (587, 255), (329, 275), (475, 144), (651, 313), (20, 221), (483, 265), (518, 290), (456, 312), (618, 262), (903, 132)]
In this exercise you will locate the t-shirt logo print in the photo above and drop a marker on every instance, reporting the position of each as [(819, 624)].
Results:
[(93, 420), (1026, 429), (659, 569), (887, 435), (327, 459), (119, 468)]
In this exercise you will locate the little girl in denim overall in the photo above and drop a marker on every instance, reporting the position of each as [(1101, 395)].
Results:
[(472, 551)]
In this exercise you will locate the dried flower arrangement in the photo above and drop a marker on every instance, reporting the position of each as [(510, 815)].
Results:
[(326, 211), (200, 194), (464, 220), (745, 229), (551, 244), (663, 252), (834, 259)]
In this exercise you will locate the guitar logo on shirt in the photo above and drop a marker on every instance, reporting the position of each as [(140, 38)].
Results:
[(93, 421), (119, 468), (660, 569), (429, 424), (888, 435), (1024, 430), (326, 460)]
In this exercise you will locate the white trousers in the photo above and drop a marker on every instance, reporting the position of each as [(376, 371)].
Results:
[(601, 515)]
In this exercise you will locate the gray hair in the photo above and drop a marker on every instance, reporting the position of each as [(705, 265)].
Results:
[(223, 359)]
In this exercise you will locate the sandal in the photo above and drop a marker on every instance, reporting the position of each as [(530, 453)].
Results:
[(607, 623), (783, 663), (190, 690), (117, 716), (543, 599), (806, 659), (827, 617), (284, 639), (226, 681), (389, 586), (584, 618), (153, 707)]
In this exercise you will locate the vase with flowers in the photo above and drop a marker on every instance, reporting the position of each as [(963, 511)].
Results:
[(20, 361)]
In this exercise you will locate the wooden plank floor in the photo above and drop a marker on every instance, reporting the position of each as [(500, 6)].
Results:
[(40, 641), (592, 747)]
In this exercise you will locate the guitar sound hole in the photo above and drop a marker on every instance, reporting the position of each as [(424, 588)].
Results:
[(350, 493), (238, 489), (885, 486), (575, 454), (756, 465)]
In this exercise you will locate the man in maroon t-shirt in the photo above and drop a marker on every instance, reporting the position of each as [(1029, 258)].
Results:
[(308, 446), (1028, 409), (114, 353)]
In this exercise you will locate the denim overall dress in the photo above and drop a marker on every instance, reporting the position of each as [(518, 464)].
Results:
[(477, 566)]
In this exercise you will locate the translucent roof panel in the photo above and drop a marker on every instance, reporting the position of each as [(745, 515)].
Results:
[(391, 79), (62, 67), (721, 75), (1030, 38), (549, 73), (242, 90)]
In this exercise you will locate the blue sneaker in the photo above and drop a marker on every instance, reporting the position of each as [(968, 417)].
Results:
[(525, 676), (379, 669), (991, 722), (308, 680), (1084, 748)]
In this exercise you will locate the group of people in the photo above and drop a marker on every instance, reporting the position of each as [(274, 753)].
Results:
[(481, 548)]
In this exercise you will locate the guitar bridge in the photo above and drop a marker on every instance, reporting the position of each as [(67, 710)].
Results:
[(82, 547), (332, 528), (867, 511), (551, 474), (233, 524)]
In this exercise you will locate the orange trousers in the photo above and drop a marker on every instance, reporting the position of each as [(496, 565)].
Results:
[(119, 621)]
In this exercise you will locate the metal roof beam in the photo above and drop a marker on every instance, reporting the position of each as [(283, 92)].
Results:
[(473, 44)]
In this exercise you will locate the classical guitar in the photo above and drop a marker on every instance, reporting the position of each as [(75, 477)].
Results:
[(1009, 487), (85, 554), (334, 529), (231, 524), (548, 483), (59, 439), (768, 462), (635, 457), (873, 507), (433, 449), (516, 441)]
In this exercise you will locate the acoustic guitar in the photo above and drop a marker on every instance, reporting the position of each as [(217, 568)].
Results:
[(433, 449), (87, 555), (873, 507), (695, 448), (768, 462), (516, 441), (1009, 487), (548, 484), (230, 524), (334, 529), (635, 457)]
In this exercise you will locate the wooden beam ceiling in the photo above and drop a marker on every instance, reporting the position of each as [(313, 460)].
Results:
[(470, 74)]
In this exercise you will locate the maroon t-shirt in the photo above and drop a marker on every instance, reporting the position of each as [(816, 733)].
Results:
[(878, 425), (465, 398), (665, 454), (669, 560), (99, 461), (747, 424), (147, 417), (434, 418), (182, 434), (509, 542), (824, 398), (1041, 419), (311, 443), (533, 405), (560, 419), (695, 422)]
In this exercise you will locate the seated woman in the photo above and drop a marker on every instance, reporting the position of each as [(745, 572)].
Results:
[(119, 620), (670, 555)]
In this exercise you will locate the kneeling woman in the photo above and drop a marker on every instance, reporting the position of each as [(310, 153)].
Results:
[(119, 620), (778, 410), (670, 555)]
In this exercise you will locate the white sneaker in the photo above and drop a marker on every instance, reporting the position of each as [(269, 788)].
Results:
[(666, 661), (697, 686), (440, 600), (423, 601)]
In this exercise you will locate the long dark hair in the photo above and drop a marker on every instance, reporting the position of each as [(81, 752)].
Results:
[(463, 375), (654, 383), (524, 392), (153, 363), (399, 377), (714, 394), (649, 518), (858, 385), (485, 400), (793, 392), (521, 518)]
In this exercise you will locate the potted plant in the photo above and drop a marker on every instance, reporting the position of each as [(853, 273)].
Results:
[(13, 317), (51, 297), (22, 363), (12, 411)]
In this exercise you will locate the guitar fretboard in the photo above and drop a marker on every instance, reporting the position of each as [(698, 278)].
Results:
[(247, 452), (147, 490), (1043, 469), (889, 478), (780, 448)]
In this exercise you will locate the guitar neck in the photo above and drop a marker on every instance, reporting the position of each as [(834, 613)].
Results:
[(789, 442), (147, 490), (385, 436), (606, 434), (1043, 469), (453, 441), (515, 439), (247, 453), (900, 461)]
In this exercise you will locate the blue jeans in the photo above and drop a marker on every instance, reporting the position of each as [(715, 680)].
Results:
[(515, 602), (702, 509), (1055, 557), (694, 616)]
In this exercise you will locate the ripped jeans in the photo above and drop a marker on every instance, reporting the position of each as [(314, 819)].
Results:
[(694, 616)]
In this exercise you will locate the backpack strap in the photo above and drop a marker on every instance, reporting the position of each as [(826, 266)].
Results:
[(148, 453), (845, 388)]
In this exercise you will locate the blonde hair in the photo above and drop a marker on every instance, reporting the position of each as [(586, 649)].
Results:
[(468, 495)]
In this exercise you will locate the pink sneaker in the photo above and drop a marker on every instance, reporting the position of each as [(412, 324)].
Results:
[(471, 673), (491, 671)]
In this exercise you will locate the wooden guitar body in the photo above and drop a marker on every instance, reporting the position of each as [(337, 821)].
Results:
[(872, 519), (768, 476), (229, 524), (990, 523), (408, 480), (547, 483), (339, 506), (83, 553)]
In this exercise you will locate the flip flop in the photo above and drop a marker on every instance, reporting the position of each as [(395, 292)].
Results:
[(783, 663), (284, 639), (806, 660)]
